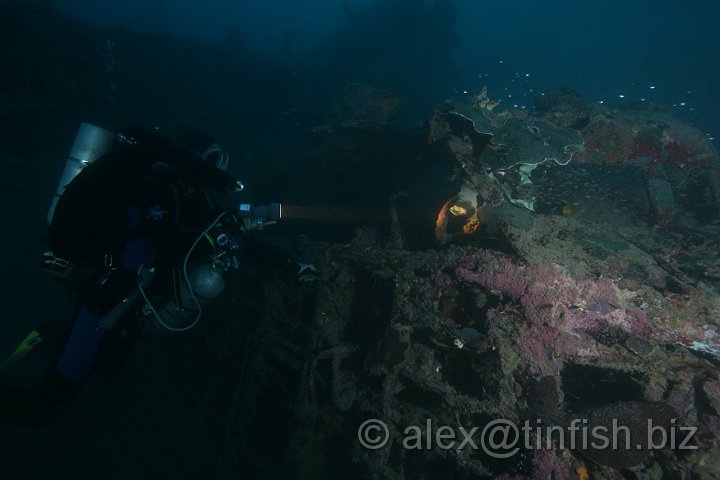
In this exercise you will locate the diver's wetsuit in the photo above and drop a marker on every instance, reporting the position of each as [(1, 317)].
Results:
[(143, 203)]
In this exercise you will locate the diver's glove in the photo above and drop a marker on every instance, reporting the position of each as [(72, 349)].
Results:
[(307, 273)]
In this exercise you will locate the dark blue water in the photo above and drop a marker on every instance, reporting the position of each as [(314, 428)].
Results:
[(614, 52), (261, 75)]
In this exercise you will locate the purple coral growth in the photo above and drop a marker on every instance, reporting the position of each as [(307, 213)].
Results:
[(555, 305), (495, 273)]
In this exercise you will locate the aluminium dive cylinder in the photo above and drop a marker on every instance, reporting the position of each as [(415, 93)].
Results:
[(91, 143), (177, 314)]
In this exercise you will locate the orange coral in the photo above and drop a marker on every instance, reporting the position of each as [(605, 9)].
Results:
[(582, 473), (472, 224)]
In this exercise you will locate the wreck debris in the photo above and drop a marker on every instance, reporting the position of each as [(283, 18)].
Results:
[(541, 316), (635, 417), (509, 146), (410, 336), (360, 106)]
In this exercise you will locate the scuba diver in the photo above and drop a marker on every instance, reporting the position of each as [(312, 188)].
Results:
[(136, 231)]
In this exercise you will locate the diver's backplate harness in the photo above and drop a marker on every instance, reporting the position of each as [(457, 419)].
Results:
[(200, 278)]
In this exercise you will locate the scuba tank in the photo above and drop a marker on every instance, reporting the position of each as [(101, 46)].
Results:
[(178, 313), (198, 281), (90, 143)]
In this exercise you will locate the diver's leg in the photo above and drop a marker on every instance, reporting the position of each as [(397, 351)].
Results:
[(81, 348), (44, 404)]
